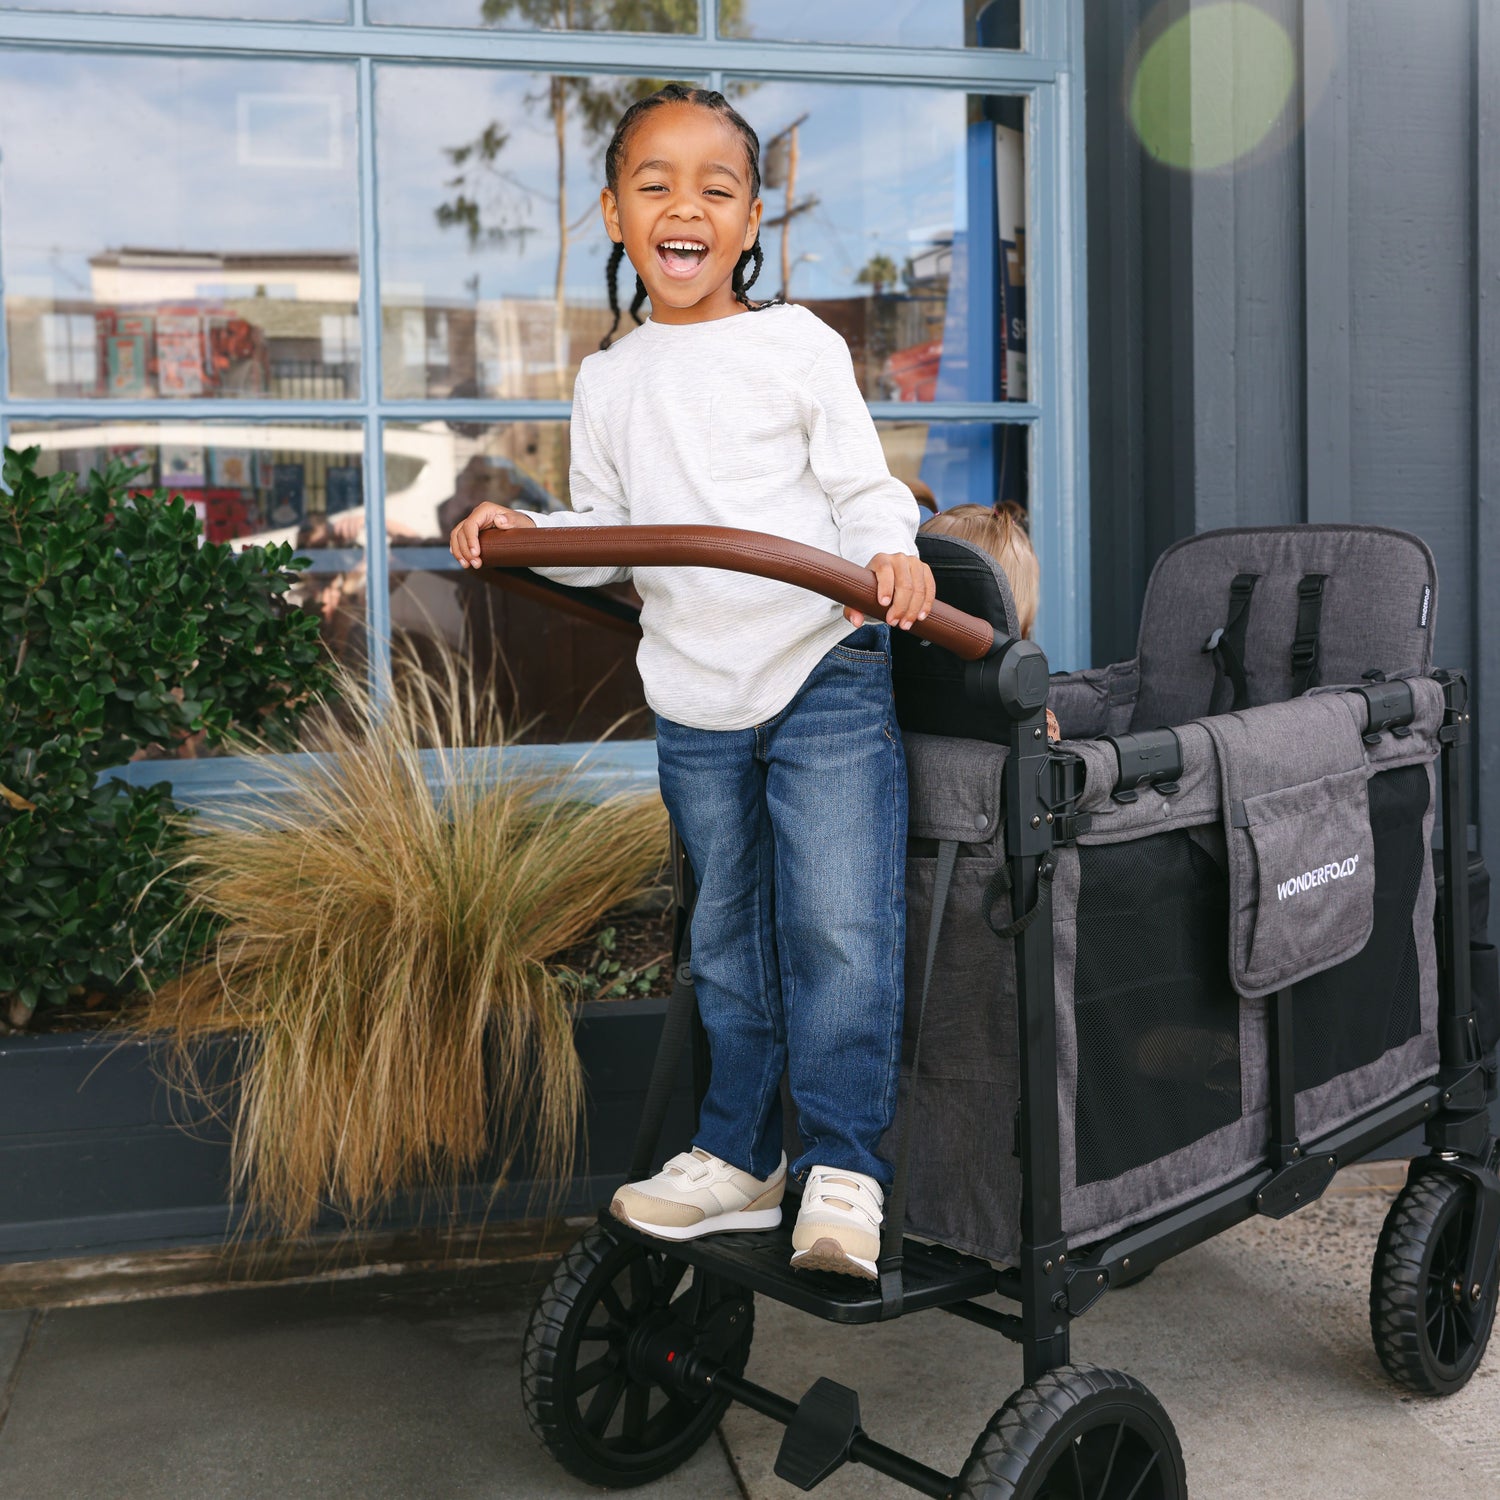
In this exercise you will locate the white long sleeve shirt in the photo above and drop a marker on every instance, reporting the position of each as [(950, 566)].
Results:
[(756, 421)]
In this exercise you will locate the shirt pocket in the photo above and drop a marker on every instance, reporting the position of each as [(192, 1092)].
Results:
[(748, 440)]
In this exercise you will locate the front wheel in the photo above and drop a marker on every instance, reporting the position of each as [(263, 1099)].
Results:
[(1077, 1433), (1430, 1329), (586, 1397)]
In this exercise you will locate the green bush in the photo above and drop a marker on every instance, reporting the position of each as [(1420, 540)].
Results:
[(119, 631)]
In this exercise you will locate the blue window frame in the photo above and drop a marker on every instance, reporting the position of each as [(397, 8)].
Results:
[(971, 435)]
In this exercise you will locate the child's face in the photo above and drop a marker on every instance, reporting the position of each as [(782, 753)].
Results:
[(683, 211)]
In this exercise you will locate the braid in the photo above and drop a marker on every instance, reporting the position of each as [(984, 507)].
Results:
[(638, 300), (611, 276), (740, 284)]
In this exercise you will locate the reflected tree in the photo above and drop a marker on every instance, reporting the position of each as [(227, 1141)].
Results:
[(490, 204)]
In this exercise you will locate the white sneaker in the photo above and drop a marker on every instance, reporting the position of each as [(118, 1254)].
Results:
[(838, 1228), (695, 1193)]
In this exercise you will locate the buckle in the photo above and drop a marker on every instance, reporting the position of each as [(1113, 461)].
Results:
[(1212, 643)]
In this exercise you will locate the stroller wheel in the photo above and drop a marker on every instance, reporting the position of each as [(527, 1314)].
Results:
[(1430, 1330), (587, 1399), (1077, 1432)]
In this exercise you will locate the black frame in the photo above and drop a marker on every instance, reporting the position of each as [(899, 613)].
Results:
[(1050, 1286)]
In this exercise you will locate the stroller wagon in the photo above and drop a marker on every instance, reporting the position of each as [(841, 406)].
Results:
[(1164, 975)]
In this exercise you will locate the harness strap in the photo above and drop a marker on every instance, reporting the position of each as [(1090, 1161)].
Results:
[(893, 1230), (1227, 646), (1305, 642)]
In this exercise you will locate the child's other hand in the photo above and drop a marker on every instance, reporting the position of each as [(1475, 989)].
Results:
[(463, 542), (905, 584)]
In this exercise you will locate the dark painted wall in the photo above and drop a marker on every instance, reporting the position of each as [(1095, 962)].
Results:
[(1314, 333)]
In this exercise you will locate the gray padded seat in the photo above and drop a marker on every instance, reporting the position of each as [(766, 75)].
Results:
[(1379, 609)]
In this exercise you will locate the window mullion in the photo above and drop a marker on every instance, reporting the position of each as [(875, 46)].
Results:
[(377, 545)]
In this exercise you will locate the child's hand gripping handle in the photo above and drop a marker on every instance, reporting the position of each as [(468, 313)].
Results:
[(736, 551)]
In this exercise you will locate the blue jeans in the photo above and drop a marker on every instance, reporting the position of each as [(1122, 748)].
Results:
[(796, 831)]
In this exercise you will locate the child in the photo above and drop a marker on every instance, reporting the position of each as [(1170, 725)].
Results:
[(1001, 531), (779, 756)]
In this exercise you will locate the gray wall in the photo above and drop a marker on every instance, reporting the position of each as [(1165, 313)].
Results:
[(1315, 333)]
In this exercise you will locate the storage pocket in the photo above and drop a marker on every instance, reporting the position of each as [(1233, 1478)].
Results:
[(1314, 878), (1294, 784)]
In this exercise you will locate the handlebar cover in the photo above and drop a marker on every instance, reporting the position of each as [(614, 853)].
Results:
[(726, 547)]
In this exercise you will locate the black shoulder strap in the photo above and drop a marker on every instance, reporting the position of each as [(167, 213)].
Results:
[(893, 1231), (1305, 642), (1227, 646)]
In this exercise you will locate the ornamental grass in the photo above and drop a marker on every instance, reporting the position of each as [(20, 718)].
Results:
[(384, 946)]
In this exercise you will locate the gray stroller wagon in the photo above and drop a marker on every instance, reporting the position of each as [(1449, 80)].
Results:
[(1163, 976)]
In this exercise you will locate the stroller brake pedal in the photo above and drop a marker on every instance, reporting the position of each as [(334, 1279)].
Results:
[(818, 1438)]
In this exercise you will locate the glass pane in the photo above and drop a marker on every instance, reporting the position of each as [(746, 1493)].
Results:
[(891, 23), (228, 10), (562, 661), (179, 226), (679, 16), (959, 463), (297, 482), (492, 250), (898, 215)]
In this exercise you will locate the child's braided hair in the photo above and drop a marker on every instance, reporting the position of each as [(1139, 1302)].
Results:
[(614, 158)]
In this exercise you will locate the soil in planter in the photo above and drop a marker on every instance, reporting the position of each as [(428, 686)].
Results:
[(629, 958)]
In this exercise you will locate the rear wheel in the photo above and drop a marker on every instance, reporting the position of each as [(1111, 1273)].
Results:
[(1077, 1433), (586, 1396), (1430, 1328)]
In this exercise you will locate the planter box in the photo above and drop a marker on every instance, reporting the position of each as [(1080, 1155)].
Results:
[(99, 1155)]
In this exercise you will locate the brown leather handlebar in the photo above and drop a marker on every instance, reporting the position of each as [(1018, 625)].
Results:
[(736, 551)]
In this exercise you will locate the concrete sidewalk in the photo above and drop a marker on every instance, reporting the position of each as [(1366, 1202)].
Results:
[(389, 1389)]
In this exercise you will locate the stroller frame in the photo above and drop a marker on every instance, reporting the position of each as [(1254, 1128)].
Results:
[(702, 1361), (1050, 1287)]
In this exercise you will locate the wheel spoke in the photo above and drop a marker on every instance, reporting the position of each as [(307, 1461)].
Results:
[(672, 1273), (674, 1416), (1145, 1474), (637, 1404), (611, 1300), (586, 1378), (1109, 1468), (595, 1334), (1437, 1312), (1077, 1468), (606, 1399), (640, 1282)]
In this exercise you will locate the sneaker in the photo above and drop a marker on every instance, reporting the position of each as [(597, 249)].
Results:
[(838, 1228), (695, 1193)]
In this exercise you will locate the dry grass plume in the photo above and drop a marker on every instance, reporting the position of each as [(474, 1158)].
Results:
[(386, 951)]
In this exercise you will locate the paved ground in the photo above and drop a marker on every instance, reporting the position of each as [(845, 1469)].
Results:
[(406, 1388)]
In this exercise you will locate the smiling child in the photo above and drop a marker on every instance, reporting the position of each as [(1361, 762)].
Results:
[(779, 756)]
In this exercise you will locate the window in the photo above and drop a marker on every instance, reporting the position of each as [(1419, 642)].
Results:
[(335, 287), (201, 212)]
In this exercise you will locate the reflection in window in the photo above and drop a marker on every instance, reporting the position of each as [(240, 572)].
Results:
[(178, 227), (959, 463), (228, 10), (893, 23), (680, 16), (492, 247), (898, 215), (562, 660), (296, 482)]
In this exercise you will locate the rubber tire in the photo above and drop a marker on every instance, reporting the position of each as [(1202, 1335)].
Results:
[(549, 1360), (1025, 1444), (1404, 1287)]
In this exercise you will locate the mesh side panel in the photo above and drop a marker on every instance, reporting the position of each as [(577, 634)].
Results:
[(1157, 1020), (1348, 1016)]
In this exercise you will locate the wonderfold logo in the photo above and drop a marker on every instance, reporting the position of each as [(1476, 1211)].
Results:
[(1338, 870)]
